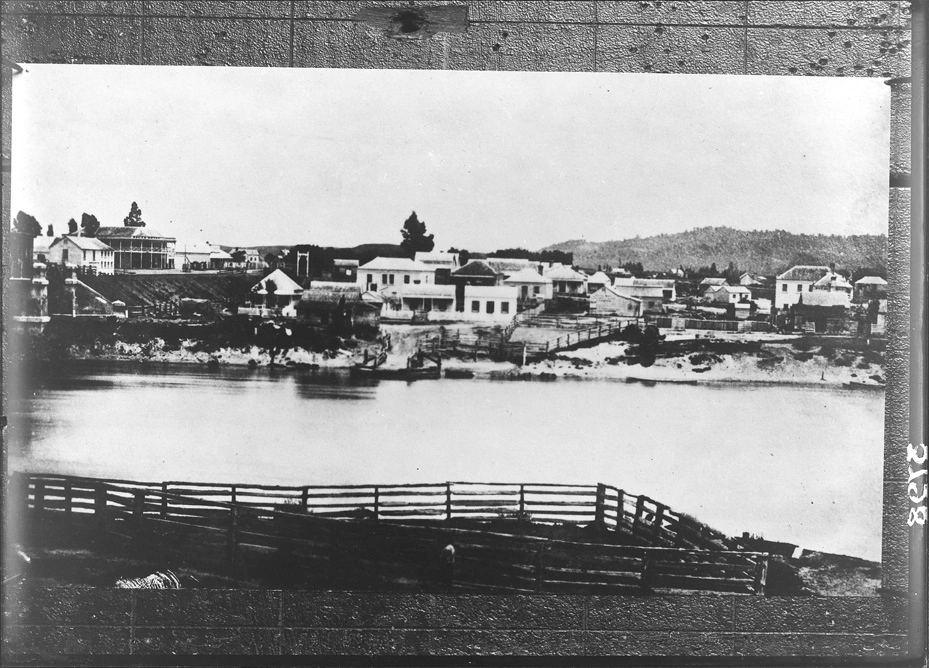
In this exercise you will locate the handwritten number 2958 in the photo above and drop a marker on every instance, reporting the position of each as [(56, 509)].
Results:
[(917, 456)]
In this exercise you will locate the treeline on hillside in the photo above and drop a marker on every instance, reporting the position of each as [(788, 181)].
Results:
[(758, 251)]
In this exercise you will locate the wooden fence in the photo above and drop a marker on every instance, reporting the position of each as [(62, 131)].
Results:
[(230, 525), (665, 322)]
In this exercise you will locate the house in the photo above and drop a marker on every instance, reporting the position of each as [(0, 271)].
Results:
[(28, 289), (711, 281), (598, 280), (138, 248), (438, 259), (531, 286), (566, 281), (219, 259), (652, 292), (40, 247), (730, 294), (383, 273), (337, 304), (803, 279), (253, 259), (507, 266), (192, 255), (424, 301), (488, 303), (275, 295), (608, 301), (868, 288), (86, 253), (821, 311), (750, 281), (344, 270), (476, 272)]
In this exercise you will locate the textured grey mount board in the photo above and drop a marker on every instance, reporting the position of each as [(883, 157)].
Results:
[(873, 39)]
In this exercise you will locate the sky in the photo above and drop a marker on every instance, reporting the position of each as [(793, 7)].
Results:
[(488, 160)]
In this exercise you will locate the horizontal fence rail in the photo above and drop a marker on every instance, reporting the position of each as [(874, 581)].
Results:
[(671, 550)]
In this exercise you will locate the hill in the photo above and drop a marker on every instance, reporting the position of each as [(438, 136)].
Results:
[(758, 251)]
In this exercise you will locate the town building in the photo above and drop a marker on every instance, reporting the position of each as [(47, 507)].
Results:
[(608, 301), (192, 255), (729, 294), (821, 311), (476, 272), (337, 304), (138, 248), (384, 273), (424, 302), (566, 281), (598, 280), (489, 303), (750, 281), (711, 281), (275, 295), (868, 288), (219, 259), (531, 286), (803, 279), (438, 260), (86, 253), (654, 293)]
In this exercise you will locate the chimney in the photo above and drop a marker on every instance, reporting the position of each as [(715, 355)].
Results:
[(832, 267), (540, 269)]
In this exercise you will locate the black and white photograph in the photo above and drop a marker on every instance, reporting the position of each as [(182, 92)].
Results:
[(447, 332)]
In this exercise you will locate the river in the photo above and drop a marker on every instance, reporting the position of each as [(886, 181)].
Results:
[(798, 464)]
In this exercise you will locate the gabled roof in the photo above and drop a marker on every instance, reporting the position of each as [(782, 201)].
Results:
[(332, 286), (219, 254), (834, 280), (394, 264), (123, 232), (607, 291), (283, 284), (84, 243), (645, 282), (736, 289), (563, 273), (804, 272), (824, 298), (437, 257), (192, 247), (870, 280), (527, 275), (713, 281), (600, 277), (476, 268), (342, 262), (507, 265), (427, 290), (712, 289)]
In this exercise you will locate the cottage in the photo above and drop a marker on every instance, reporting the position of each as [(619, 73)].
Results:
[(608, 301), (219, 259), (803, 279), (86, 253), (566, 281), (424, 302), (476, 272), (383, 273), (821, 311), (489, 303), (337, 304), (438, 260), (40, 248), (276, 295), (730, 294), (750, 281), (870, 287), (192, 255), (507, 266), (344, 270), (652, 292), (531, 286), (597, 281), (138, 248), (711, 281)]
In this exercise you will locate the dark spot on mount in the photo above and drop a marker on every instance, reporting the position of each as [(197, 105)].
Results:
[(633, 49), (408, 21), (704, 37), (869, 71), (222, 33), (823, 61), (832, 33), (505, 34), (792, 70), (496, 47), (667, 50), (847, 45), (680, 63), (851, 22)]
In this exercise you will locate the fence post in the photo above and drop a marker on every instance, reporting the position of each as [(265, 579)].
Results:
[(232, 539), (305, 498), (164, 500), (659, 518), (522, 502), (620, 508), (600, 507), (448, 500), (377, 503), (639, 505), (100, 506), (39, 503), (761, 575), (68, 498), (540, 569), (232, 499)]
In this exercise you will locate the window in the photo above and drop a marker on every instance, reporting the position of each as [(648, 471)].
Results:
[(370, 278), (504, 307), (406, 278), (391, 277), (811, 288), (490, 307), (784, 287), (535, 290), (384, 279), (64, 254), (799, 288), (475, 306)]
